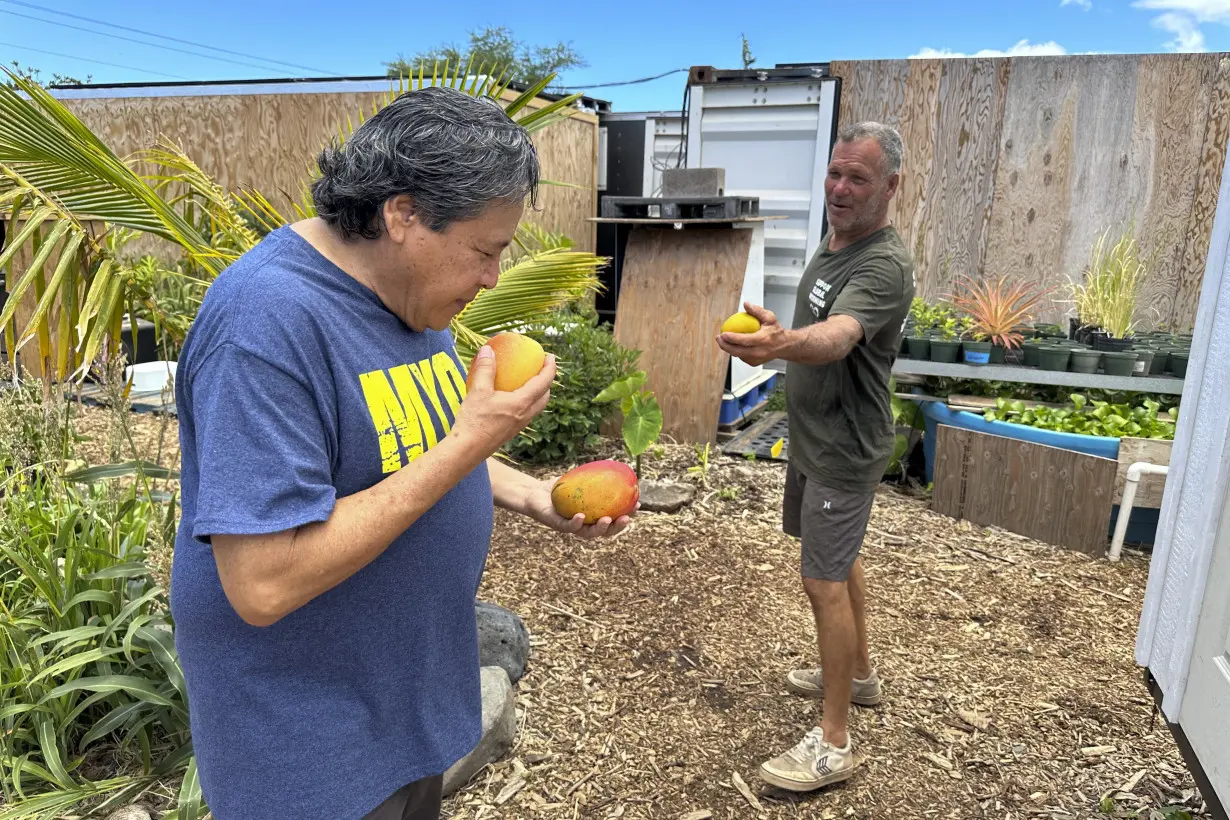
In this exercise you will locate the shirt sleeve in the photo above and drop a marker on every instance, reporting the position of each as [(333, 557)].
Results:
[(262, 454), (872, 297)]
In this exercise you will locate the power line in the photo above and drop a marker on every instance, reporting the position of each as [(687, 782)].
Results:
[(89, 60), (605, 85), (133, 40), (162, 36)]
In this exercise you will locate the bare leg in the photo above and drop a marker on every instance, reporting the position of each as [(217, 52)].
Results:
[(838, 640), (858, 604)]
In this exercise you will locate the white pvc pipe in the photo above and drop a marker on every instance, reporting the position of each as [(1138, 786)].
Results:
[(1134, 472)]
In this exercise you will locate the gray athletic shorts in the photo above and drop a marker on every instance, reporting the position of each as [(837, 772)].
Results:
[(830, 523)]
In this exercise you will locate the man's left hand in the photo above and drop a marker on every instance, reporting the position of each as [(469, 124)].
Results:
[(764, 345), (538, 506)]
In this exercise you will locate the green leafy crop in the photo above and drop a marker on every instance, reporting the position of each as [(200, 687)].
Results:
[(1096, 418)]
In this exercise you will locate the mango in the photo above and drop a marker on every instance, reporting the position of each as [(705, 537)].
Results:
[(741, 323), (599, 488), (517, 360)]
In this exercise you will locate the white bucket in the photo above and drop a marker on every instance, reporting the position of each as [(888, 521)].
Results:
[(150, 377)]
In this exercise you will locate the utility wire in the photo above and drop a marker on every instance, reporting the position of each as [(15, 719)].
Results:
[(133, 40), (604, 85), (90, 60), (37, 7)]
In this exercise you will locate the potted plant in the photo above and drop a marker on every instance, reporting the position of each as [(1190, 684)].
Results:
[(1106, 299), (998, 312), (920, 321), (946, 344)]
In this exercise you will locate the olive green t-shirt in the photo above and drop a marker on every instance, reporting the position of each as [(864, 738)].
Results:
[(840, 414)]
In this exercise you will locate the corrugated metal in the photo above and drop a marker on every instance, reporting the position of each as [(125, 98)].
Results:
[(773, 139), (665, 150)]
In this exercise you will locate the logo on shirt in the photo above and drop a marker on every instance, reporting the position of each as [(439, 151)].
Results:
[(402, 401), (819, 296)]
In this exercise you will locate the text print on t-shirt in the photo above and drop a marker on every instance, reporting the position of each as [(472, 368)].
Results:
[(400, 400), (818, 298)]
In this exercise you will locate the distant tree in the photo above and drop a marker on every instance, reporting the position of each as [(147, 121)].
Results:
[(492, 47), (56, 78), (748, 59)]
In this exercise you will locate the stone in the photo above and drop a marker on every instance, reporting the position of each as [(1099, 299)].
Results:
[(693, 182), (499, 729), (133, 812), (665, 497), (503, 640)]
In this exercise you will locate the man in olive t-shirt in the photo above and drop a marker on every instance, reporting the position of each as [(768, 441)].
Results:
[(850, 310)]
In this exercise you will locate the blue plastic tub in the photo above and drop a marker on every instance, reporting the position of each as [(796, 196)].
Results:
[(1142, 527)]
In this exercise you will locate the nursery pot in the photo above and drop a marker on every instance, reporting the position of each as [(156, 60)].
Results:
[(1178, 363), (1118, 362), (1085, 361), (977, 352), (1161, 359), (1105, 343), (1029, 351), (920, 347), (997, 354), (945, 350), (905, 346), (1054, 357), (1144, 361)]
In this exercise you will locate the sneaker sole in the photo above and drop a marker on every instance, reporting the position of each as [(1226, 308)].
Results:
[(794, 786), (818, 694)]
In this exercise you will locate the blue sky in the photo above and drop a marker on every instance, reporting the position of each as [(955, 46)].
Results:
[(621, 41)]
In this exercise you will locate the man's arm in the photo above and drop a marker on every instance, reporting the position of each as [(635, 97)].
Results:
[(265, 577), (821, 343)]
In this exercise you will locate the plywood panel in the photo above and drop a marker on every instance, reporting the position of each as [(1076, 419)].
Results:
[(700, 270), (1150, 487), (1056, 496)]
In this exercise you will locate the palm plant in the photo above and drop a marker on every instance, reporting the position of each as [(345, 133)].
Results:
[(997, 310), (73, 204)]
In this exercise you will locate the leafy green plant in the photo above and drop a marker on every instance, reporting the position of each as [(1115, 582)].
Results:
[(1107, 297), (1096, 418), (589, 359), (701, 468), (642, 417), (906, 413)]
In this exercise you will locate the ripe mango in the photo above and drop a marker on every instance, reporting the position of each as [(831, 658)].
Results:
[(597, 489), (517, 360), (741, 323)]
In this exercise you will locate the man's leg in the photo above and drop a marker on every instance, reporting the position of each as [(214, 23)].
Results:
[(856, 585), (838, 647), (419, 800)]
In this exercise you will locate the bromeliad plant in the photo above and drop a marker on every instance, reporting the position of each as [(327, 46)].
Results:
[(998, 311), (72, 204)]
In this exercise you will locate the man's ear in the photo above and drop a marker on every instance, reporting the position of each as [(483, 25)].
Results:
[(894, 181), (400, 215)]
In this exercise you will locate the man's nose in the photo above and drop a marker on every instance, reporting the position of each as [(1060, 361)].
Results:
[(490, 275)]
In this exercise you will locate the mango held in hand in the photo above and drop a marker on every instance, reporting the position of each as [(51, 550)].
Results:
[(517, 360), (741, 323), (597, 489)]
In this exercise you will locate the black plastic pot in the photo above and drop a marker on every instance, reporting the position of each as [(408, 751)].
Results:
[(1029, 353), (997, 354), (1106, 343), (1085, 361), (1178, 364), (946, 351), (1054, 357), (1144, 361), (1119, 362), (920, 347), (977, 352)]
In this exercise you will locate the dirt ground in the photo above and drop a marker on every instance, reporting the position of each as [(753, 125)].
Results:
[(656, 684)]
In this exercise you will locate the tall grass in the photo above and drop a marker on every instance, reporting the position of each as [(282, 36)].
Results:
[(1108, 296)]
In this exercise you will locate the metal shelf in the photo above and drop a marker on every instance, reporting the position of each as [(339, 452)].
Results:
[(1034, 375)]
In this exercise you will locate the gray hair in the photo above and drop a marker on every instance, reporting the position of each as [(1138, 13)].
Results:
[(888, 138), (453, 153)]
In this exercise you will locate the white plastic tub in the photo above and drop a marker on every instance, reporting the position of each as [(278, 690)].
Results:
[(150, 377)]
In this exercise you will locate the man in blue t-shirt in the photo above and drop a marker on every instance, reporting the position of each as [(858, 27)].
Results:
[(338, 482)]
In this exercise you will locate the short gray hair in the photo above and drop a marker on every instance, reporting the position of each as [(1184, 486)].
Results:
[(887, 137), (453, 153)]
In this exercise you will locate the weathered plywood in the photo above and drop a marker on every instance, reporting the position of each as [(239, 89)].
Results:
[(1150, 487), (270, 142), (1055, 496), (676, 288)]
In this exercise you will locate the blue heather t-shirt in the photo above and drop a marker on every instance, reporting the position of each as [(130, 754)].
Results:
[(297, 387)]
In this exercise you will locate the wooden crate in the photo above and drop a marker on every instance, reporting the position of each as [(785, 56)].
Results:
[(1052, 495), (1149, 490)]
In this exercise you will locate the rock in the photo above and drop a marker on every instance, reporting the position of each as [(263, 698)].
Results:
[(133, 812), (665, 497), (503, 640), (499, 729)]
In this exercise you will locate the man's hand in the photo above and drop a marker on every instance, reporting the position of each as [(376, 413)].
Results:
[(764, 345), (491, 418), (538, 506)]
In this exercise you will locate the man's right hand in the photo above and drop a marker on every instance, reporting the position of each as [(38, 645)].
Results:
[(490, 418)]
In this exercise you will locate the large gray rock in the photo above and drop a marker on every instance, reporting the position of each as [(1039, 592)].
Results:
[(665, 497), (499, 729), (503, 640)]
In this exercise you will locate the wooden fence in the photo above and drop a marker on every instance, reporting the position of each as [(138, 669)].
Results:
[(1014, 166), (269, 141)]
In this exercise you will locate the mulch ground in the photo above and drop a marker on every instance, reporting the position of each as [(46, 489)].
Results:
[(656, 684)]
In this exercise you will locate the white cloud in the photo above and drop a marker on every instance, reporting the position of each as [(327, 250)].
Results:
[(1202, 11), (1084, 4), (1024, 48), (1187, 34)]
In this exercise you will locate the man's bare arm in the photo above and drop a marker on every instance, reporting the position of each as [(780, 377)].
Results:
[(822, 343)]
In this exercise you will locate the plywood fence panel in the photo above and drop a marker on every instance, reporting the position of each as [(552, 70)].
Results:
[(1014, 166)]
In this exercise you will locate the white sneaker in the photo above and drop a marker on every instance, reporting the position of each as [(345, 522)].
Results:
[(810, 684), (811, 764)]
